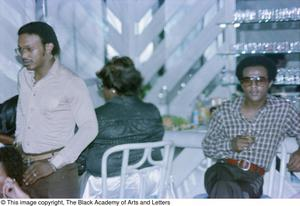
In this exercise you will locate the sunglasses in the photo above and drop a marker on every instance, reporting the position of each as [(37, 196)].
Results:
[(259, 81)]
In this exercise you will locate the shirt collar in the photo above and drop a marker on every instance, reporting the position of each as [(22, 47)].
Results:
[(270, 101), (237, 103), (123, 99), (52, 72), (54, 68)]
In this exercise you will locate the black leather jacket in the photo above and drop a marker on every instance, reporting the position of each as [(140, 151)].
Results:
[(122, 120), (8, 110)]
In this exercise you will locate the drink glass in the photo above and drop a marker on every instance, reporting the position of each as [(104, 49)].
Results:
[(251, 138), (250, 135)]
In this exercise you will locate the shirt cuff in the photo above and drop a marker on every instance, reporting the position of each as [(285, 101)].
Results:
[(57, 161)]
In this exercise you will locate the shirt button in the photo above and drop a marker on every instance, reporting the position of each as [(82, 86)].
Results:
[(34, 94), (28, 127)]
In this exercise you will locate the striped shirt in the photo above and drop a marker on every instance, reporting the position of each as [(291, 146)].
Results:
[(274, 122)]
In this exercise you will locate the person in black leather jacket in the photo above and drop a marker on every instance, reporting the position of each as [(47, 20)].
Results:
[(8, 120), (124, 118)]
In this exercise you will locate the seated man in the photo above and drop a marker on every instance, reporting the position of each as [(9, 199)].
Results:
[(123, 119), (244, 134)]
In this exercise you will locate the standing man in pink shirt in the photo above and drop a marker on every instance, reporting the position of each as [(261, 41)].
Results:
[(52, 101)]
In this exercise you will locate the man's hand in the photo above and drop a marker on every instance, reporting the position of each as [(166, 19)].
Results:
[(241, 143), (6, 139), (36, 171), (294, 163)]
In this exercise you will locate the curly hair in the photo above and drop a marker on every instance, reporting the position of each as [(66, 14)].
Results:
[(257, 61), (120, 73), (12, 162), (44, 31)]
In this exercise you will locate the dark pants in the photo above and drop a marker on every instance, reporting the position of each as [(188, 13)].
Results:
[(227, 181), (64, 183)]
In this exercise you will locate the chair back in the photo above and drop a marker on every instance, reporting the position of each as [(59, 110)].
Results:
[(164, 166), (275, 180)]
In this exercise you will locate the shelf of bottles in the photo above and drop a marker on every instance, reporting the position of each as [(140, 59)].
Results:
[(288, 76), (265, 47), (267, 15), (287, 81), (287, 84), (263, 16)]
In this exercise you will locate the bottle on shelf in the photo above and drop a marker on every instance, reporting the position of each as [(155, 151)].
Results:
[(288, 76), (267, 15), (195, 118)]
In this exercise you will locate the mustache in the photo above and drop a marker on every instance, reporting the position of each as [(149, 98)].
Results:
[(26, 60)]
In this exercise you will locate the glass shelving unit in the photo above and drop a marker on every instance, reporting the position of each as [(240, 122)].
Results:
[(246, 22)]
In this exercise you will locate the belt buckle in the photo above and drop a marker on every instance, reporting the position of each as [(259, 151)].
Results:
[(244, 164)]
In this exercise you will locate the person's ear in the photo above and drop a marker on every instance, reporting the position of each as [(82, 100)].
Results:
[(49, 47)]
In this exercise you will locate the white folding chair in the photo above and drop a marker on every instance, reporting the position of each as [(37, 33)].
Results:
[(162, 167), (275, 181)]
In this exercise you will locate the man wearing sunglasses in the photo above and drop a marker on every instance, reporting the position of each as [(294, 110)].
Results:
[(244, 133)]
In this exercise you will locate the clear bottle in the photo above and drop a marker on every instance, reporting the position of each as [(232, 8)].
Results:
[(195, 118)]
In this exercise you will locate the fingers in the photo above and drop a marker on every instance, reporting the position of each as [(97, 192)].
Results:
[(31, 175), (244, 143), (36, 171), (246, 140), (291, 162), (294, 164), (241, 143)]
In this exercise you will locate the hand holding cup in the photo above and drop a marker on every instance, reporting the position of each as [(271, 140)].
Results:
[(242, 142)]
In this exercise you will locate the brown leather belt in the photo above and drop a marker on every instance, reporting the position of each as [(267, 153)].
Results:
[(246, 166), (29, 158)]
